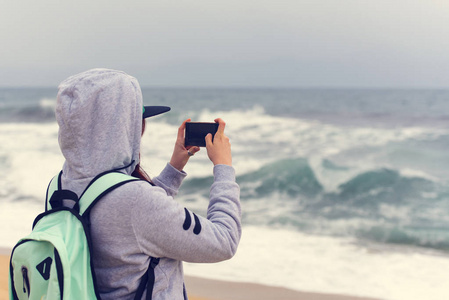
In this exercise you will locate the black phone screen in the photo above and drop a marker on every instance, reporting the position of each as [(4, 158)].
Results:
[(197, 131)]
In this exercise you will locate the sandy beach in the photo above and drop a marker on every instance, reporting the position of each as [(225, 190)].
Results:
[(205, 289)]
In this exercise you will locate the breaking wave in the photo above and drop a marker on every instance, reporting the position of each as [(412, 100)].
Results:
[(381, 205)]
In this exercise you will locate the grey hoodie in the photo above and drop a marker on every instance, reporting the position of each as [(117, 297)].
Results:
[(99, 113)]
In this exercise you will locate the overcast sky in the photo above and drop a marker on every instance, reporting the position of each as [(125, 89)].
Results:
[(279, 43)]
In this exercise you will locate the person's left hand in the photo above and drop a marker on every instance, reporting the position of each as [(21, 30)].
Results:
[(181, 154)]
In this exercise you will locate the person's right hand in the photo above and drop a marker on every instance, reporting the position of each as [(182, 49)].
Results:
[(219, 151)]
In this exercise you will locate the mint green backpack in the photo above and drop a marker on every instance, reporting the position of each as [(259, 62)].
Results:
[(54, 260)]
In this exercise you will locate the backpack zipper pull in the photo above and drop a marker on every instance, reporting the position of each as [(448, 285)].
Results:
[(26, 282)]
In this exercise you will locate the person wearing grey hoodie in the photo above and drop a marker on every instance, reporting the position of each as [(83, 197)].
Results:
[(99, 113)]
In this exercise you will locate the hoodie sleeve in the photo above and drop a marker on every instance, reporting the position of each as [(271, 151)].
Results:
[(164, 228), (170, 180)]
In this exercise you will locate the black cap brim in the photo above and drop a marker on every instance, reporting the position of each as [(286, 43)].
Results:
[(151, 111)]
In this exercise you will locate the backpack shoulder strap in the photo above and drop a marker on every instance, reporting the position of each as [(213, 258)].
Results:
[(147, 281), (100, 186), (97, 188), (53, 186)]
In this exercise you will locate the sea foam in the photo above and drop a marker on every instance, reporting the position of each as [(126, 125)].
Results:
[(279, 257)]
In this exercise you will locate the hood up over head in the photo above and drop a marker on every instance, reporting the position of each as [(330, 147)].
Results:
[(99, 113)]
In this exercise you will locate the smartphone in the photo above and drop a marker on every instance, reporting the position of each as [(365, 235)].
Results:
[(196, 133)]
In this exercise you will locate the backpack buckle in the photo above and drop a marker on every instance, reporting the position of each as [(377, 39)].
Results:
[(60, 195)]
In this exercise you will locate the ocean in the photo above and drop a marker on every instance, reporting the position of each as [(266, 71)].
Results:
[(343, 191)]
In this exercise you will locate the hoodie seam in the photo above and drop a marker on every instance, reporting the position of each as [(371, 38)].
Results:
[(139, 125), (132, 219), (160, 269), (77, 148)]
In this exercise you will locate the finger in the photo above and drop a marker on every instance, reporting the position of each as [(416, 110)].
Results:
[(194, 149), (221, 125), (181, 130), (191, 148), (208, 139)]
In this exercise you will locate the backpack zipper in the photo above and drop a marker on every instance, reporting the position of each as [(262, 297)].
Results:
[(26, 281)]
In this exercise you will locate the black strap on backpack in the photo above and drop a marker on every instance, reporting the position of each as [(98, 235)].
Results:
[(147, 281)]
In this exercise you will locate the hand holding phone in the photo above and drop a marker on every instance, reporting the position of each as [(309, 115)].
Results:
[(181, 153), (219, 150)]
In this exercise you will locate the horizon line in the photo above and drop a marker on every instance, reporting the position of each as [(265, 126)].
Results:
[(180, 87)]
